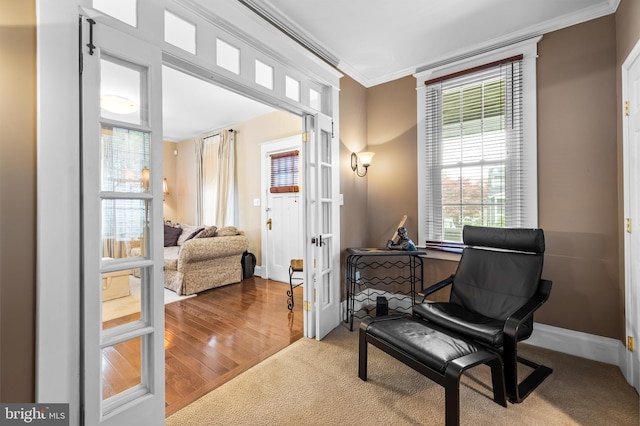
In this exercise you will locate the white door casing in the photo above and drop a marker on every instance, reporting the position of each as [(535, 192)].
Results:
[(322, 216), (631, 154), (282, 237), (107, 189)]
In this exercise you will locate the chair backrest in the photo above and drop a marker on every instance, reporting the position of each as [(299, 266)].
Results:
[(499, 270)]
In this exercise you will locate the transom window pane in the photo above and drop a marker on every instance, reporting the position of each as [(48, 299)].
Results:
[(123, 10), (292, 88), (227, 56), (315, 100), (179, 32), (264, 75)]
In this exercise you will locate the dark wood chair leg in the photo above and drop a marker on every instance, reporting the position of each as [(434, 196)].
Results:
[(362, 355)]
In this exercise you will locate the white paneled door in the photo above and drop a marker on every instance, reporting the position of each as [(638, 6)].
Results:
[(122, 365), (322, 210), (631, 130)]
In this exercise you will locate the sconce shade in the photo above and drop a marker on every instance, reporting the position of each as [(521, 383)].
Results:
[(365, 158), (145, 178), (165, 187)]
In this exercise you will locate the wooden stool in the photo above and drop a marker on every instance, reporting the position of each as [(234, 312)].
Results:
[(295, 266)]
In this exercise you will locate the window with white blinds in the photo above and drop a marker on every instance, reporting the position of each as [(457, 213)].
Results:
[(285, 172), (474, 156)]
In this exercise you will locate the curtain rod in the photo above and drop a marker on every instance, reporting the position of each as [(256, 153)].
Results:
[(215, 134)]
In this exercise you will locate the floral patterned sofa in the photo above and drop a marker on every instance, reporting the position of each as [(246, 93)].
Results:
[(202, 257)]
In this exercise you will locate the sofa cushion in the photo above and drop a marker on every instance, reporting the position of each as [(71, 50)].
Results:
[(207, 232), (188, 232), (171, 235), (227, 231)]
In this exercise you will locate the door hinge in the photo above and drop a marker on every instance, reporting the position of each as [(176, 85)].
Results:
[(631, 344), (305, 136), (306, 306), (627, 224), (627, 108)]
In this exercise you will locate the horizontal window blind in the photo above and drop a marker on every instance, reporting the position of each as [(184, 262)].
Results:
[(285, 172), (474, 153)]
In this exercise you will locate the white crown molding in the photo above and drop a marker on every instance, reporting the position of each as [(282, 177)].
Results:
[(280, 21)]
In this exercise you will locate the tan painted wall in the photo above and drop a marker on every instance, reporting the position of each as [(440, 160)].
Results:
[(17, 200), (577, 174)]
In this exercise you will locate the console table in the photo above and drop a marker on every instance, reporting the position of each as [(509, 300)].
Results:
[(380, 272)]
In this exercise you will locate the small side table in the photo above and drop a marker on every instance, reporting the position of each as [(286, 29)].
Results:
[(403, 270)]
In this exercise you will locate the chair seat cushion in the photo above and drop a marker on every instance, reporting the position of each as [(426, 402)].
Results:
[(456, 318)]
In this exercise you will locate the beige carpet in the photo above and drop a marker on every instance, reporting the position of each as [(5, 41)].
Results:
[(121, 306), (316, 383)]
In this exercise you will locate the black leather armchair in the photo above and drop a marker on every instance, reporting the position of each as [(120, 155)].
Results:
[(494, 293)]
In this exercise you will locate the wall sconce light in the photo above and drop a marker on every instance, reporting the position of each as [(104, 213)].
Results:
[(145, 178), (165, 187), (365, 159)]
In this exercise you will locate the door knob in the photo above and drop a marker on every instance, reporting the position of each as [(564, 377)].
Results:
[(269, 223)]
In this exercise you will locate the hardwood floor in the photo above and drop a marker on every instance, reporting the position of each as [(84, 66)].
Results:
[(210, 339)]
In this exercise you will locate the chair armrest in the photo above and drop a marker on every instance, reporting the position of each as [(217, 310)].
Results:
[(513, 322), (435, 287)]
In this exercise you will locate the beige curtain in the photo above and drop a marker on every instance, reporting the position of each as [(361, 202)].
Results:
[(216, 200), (226, 195)]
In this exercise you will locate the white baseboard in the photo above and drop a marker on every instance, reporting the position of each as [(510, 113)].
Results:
[(584, 345), (257, 270)]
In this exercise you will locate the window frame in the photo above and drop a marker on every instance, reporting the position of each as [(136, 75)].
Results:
[(526, 48)]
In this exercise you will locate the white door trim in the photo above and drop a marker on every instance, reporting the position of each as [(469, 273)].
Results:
[(632, 287)]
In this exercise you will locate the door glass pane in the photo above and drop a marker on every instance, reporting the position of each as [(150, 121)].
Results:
[(121, 367), (125, 160), (121, 86), (124, 227), (179, 32), (123, 10), (123, 295), (325, 147)]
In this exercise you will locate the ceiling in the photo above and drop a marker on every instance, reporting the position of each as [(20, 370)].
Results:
[(373, 41)]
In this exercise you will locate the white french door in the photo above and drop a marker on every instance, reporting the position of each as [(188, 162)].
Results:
[(631, 135), (322, 216), (122, 375)]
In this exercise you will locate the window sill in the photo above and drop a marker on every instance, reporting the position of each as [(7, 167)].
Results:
[(452, 255)]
